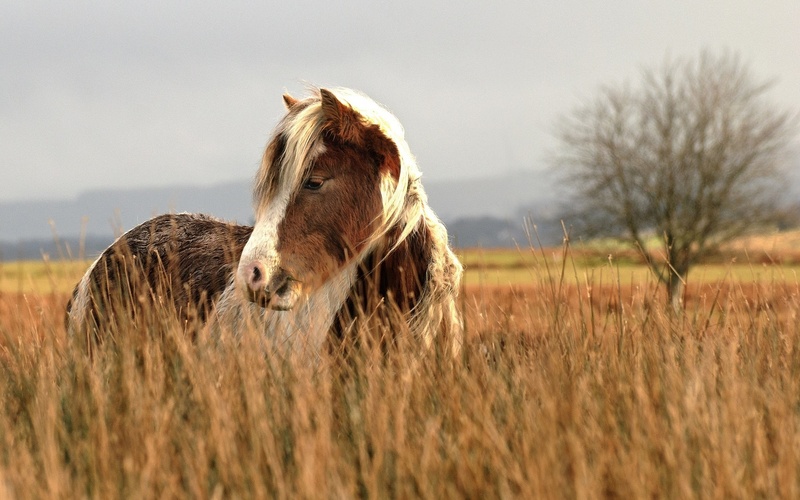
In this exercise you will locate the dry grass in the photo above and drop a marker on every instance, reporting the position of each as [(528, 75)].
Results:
[(568, 387)]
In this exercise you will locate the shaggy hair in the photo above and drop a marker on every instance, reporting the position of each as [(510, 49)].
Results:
[(408, 238), (406, 263)]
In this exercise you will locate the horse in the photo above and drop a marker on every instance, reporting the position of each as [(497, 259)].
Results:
[(343, 231)]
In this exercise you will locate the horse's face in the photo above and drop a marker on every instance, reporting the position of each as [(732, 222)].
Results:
[(306, 232)]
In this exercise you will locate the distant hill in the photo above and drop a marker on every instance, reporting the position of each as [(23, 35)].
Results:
[(58, 249), (107, 212), (480, 211)]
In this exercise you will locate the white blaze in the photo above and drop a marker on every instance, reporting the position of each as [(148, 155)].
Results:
[(263, 243)]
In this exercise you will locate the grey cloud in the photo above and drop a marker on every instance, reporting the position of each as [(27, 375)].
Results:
[(121, 94)]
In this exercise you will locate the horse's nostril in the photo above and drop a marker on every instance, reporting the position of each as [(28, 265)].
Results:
[(282, 286), (256, 277)]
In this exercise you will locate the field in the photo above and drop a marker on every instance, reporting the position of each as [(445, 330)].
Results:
[(574, 381)]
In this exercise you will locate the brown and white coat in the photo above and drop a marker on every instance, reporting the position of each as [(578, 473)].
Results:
[(342, 228)]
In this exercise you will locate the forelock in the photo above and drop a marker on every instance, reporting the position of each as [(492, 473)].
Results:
[(295, 143)]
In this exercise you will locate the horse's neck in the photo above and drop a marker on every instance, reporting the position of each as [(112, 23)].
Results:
[(394, 277)]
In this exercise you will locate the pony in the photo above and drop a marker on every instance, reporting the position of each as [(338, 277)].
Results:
[(343, 231)]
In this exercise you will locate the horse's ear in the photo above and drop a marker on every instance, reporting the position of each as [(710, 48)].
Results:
[(289, 101), (342, 120)]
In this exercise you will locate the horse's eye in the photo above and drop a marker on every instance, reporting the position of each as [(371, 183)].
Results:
[(313, 184)]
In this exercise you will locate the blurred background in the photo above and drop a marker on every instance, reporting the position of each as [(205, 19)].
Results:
[(110, 114)]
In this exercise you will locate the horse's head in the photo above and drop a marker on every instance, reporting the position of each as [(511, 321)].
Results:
[(332, 184)]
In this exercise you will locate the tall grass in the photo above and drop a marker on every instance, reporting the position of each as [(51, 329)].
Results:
[(564, 389)]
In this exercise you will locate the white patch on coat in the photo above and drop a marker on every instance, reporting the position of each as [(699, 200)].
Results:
[(263, 243)]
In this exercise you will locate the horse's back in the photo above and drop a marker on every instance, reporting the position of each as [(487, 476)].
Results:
[(180, 261)]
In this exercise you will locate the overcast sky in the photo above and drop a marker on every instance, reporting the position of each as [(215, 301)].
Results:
[(95, 94)]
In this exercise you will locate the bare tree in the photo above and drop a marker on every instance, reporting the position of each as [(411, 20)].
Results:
[(693, 156)]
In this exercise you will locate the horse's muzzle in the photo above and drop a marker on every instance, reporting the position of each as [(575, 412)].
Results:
[(279, 292)]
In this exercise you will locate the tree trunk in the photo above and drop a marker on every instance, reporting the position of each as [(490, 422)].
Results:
[(676, 285)]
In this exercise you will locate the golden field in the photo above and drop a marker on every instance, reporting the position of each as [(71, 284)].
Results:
[(573, 382)]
